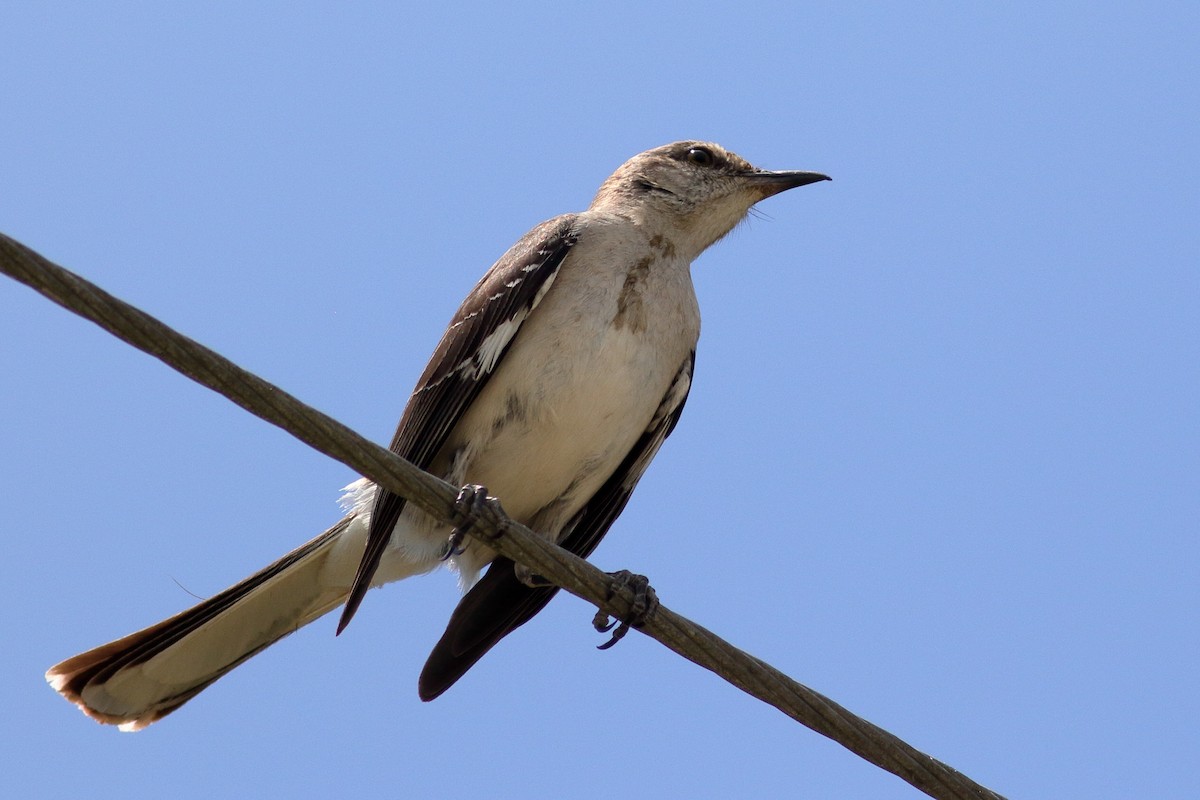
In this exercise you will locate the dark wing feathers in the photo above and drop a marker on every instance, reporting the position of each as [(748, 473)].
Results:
[(458, 371), (499, 603)]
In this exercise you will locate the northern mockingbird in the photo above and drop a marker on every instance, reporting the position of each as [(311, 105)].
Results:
[(559, 378)]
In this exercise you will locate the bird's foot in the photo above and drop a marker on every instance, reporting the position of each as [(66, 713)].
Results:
[(472, 504), (645, 603)]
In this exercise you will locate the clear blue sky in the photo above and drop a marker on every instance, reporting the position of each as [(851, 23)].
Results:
[(941, 460)]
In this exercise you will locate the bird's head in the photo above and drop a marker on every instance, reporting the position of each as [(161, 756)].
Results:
[(699, 189)]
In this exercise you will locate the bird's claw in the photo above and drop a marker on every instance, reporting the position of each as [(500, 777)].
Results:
[(471, 504), (645, 603)]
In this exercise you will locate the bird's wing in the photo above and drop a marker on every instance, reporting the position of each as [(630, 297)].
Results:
[(467, 356), (499, 603)]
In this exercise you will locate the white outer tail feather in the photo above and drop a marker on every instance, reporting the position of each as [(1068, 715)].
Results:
[(140, 678)]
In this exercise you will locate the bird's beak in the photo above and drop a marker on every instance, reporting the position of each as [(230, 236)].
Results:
[(770, 183)]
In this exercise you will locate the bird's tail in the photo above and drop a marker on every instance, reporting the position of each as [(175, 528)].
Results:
[(144, 676)]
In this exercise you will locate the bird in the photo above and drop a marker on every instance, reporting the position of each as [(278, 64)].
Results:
[(555, 384)]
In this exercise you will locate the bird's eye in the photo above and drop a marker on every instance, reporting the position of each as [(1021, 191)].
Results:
[(701, 156)]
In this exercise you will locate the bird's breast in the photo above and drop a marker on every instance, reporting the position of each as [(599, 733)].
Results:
[(579, 385)]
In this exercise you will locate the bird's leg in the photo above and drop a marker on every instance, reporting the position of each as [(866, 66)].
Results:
[(645, 603), (471, 504)]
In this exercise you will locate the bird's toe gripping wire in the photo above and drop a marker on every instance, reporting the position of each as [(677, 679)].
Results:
[(471, 504), (645, 603)]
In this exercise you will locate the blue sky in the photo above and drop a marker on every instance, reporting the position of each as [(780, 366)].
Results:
[(940, 460)]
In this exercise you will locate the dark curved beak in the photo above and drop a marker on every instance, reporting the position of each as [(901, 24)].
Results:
[(770, 183)]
